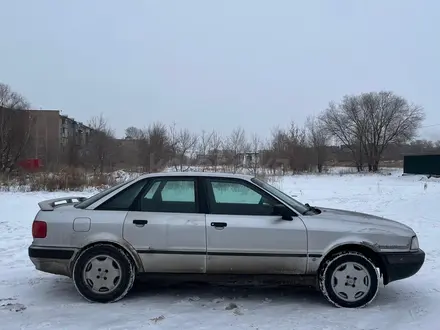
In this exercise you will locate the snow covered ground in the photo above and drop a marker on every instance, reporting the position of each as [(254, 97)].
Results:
[(33, 300)]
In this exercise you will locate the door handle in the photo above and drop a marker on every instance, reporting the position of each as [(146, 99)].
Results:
[(140, 222), (219, 224)]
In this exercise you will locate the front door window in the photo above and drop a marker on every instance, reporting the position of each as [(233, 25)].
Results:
[(239, 198)]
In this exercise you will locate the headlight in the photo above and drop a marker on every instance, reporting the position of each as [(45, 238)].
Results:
[(414, 243)]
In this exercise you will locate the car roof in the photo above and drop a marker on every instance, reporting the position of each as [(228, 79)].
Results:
[(200, 174)]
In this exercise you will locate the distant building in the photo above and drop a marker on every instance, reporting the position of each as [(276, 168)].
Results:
[(50, 135), (422, 164), (249, 159), (74, 132), (44, 136)]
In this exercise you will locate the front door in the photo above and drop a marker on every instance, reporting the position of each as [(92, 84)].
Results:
[(243, 237), (167, 229)]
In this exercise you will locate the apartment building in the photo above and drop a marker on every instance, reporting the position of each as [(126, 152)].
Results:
[(73, 131), (52, 135)]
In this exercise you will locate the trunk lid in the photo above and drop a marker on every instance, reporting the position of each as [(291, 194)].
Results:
[(51, 204)]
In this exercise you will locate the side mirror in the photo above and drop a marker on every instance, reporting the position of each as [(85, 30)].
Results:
[(282, 210)]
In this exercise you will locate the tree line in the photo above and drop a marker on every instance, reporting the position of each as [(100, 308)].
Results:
[(366, 126)]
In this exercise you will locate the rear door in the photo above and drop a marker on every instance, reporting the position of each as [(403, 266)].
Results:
[(167, 228), (243, 235)]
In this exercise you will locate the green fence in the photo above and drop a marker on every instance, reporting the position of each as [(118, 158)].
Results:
[(422, 164)]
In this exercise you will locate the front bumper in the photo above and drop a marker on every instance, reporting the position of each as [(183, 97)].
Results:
[(52, 260), (401, 265)]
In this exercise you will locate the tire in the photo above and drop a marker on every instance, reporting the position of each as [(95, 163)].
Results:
[(358, 282), (103, 273)]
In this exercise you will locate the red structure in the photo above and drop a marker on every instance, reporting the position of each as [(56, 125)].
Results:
[(30, 164)]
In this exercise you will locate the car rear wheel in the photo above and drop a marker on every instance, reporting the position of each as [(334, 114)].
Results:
[(103, 273), (349, 279)]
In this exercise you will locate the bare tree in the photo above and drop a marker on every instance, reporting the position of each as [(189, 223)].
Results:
[(102, 144), (159, 147), (252, 160), (134, 133), (389, 119), (368, 123), (215, 149), (235, 148), (15, 127), (341, 122), (12, 100), (183, 145), (289, 149), (136, 148), (317, 138), (203, 145), (152, 146), (277, 154), (297, 146)]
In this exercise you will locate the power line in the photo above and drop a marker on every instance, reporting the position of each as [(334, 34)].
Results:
[(430, 125)]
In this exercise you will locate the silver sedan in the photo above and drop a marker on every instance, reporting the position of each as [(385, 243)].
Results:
[(217, 227)]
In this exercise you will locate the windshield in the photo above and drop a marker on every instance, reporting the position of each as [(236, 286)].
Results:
[(89, 201), (301, 208)]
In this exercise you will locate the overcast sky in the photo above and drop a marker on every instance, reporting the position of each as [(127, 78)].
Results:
[(218, 64)]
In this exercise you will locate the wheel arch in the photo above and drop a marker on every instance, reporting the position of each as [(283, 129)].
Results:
[(128, 250), (365, 250)]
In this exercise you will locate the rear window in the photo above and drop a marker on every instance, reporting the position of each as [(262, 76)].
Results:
[(89, 201)]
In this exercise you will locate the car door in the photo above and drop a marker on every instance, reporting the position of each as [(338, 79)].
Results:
[(243, 235), (167, 229)]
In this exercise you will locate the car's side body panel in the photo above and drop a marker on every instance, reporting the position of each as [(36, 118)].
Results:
[(250, 244), (168, 242), (335, 228), (256, 245), (105, 226)]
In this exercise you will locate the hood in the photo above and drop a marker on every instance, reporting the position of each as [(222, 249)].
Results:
[(366, 222)]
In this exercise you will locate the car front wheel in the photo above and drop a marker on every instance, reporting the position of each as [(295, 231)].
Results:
[(349, 279), (103, 273)]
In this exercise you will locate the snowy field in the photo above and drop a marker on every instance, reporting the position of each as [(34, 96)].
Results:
[(33, 300)]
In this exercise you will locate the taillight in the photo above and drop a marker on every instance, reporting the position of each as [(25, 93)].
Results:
[(39, 229)]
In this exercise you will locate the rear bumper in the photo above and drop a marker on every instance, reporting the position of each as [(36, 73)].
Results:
[(52, 260), (402, 265)]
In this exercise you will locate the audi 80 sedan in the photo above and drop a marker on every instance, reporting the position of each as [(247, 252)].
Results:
[(216, 225)]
